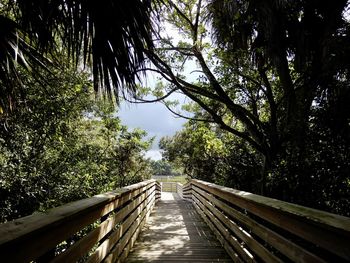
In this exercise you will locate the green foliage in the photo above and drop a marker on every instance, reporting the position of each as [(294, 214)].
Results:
[(162, 167), (196, 149), (109, 38), (60, 145), (207, 153), (182, 179), (276, 79)]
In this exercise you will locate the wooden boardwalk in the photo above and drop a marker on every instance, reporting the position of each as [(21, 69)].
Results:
[(251, 228), (175, 232)]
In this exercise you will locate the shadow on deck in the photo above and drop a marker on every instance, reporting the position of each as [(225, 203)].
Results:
[(202, 222), (175, 232)]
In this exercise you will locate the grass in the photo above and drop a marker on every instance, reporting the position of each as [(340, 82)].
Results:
[(177, 179)]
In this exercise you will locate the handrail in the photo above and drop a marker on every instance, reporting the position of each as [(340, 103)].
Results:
[(179, 189), (252, 227), (186, 191), (168, 187), (172, 187), (115, 219)]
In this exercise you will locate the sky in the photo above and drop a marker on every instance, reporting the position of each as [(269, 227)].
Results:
[(154, 118)]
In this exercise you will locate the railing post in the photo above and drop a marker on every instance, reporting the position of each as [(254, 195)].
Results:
[(158, 190), (187, 191), (179, 189)]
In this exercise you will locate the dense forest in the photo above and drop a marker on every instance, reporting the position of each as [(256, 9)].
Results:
[(269, 89), (61, 144), (60, 137), (267, 81)]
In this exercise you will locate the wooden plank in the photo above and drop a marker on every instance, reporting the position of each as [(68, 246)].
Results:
[(226, 238), (176, 232), (29, 237), (329, 231), (132, 241), (169, 187), (84, 245), (179, 189), (118, 249), (288, 248), (187, 185), (104, 248), (65, 211), (254, 245), (158, 191), (187, 191), (234, 256)]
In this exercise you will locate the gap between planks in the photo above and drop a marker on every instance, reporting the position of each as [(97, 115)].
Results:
[(175, 232)]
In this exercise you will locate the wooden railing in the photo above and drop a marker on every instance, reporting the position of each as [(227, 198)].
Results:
[(101, 228), (250, 227), (256, 228), (172, 187), (179, 189)]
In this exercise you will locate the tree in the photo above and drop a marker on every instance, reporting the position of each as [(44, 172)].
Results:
[(274, 67), (108, 37), (51, 153), (163, 167), (60, 145), (197, 149), (211, 154)]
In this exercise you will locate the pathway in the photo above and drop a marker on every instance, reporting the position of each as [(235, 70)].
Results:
[(175, 232)]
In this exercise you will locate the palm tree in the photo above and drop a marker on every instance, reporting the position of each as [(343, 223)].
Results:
[(108, 36)]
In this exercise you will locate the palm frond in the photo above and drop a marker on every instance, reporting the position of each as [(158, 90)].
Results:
[(108, 36), (13, 54), (275, 27)]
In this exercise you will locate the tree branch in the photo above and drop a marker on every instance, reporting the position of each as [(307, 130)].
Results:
[(171, 3), (176, 81), (143, 101), (240, 112), (187, 118), (218, 119)]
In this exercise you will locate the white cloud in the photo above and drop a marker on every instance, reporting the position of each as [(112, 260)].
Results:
[(153, 154), (154, 118)]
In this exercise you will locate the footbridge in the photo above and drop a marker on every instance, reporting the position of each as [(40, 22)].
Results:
[(170, 222)]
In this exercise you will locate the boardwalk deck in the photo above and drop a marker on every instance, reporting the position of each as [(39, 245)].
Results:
[(176, 233)]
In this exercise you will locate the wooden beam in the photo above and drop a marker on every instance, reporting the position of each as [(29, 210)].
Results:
[(329, 231), (27, 238), (84, 245), (285, 246)]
